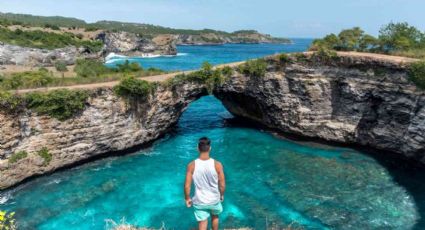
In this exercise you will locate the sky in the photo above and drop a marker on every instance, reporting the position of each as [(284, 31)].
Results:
[(283, 18)]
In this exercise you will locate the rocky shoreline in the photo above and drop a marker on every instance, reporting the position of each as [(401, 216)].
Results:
[(351, 100), (359, 99), (108, 124)]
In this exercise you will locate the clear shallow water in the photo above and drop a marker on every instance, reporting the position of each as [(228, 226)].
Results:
[(192, 57), (268, 178)]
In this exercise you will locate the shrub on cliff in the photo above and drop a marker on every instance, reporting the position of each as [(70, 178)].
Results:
[(417, 73), (61, 104), (284, 58), (90, 68), (207, 75), (17, 156), (46, 155), (61, 67), (133, 88), (10, 102), (129, 67), (254, 68)]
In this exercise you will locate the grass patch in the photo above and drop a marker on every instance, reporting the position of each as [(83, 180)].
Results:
[(254, 68), (46, 155), (88, 71), (28, 79), (17, 156), (417, 73), (61, 104)]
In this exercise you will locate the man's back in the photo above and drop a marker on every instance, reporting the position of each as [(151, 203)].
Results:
[(208, 176), (205, 179)]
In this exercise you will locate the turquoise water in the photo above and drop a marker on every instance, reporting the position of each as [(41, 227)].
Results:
[(191, 57), (269, 180)]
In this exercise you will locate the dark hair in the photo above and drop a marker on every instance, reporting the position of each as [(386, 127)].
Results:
[(204, 144)]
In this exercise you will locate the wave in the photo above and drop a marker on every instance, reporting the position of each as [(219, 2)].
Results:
[(112, 57), (5, 197)]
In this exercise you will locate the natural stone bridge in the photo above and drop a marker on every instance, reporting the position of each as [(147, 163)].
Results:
[(360, 99)]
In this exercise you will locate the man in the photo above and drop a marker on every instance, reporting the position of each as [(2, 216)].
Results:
[(208, 176)]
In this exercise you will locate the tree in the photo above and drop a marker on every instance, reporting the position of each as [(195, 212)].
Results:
[(400, 36), (61, 67), (350, 39), (368, 43)]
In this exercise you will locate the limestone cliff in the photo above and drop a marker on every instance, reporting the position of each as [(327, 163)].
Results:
[(215, 38), (24, 56), (131, 44), (107, 124), (356, 99)]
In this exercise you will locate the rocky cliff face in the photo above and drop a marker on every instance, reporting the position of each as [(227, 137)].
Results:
[(248, 37), (354, 99), (107, 124), (131, 44), (17, 55)]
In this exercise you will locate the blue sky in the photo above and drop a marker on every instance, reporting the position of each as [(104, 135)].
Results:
[(294, 18)]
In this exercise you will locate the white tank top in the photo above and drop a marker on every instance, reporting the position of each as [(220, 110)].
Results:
[(205, 179)]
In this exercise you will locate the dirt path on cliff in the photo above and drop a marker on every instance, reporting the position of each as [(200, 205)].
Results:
[(109, 84), (164, 77)]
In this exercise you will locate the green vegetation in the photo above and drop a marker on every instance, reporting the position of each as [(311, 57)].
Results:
[(29, 79), (128, 67), (227, 71), (417, 73), (90, 68), (284, 58), (254, 68), (325, 55), (61, 104), (7, 220), (17, 156), (60, 66), (10, 102), (394, 38), (87, 71), (207, 75), (133, 88), (41, 21), (146, 30), (46, 40), (44, 153), (53, 27)]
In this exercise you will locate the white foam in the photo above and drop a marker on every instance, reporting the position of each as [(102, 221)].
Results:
[(112, 57), (5, 197)]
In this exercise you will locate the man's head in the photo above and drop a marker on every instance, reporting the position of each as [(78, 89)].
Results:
[(204, 144)]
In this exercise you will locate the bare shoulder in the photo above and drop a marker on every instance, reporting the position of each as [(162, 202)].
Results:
[(218, 165), (191, 166)]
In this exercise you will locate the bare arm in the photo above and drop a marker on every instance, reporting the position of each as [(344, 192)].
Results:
[(221, 178), (188, 183)]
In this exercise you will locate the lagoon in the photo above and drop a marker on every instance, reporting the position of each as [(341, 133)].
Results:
[(270, 181)]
